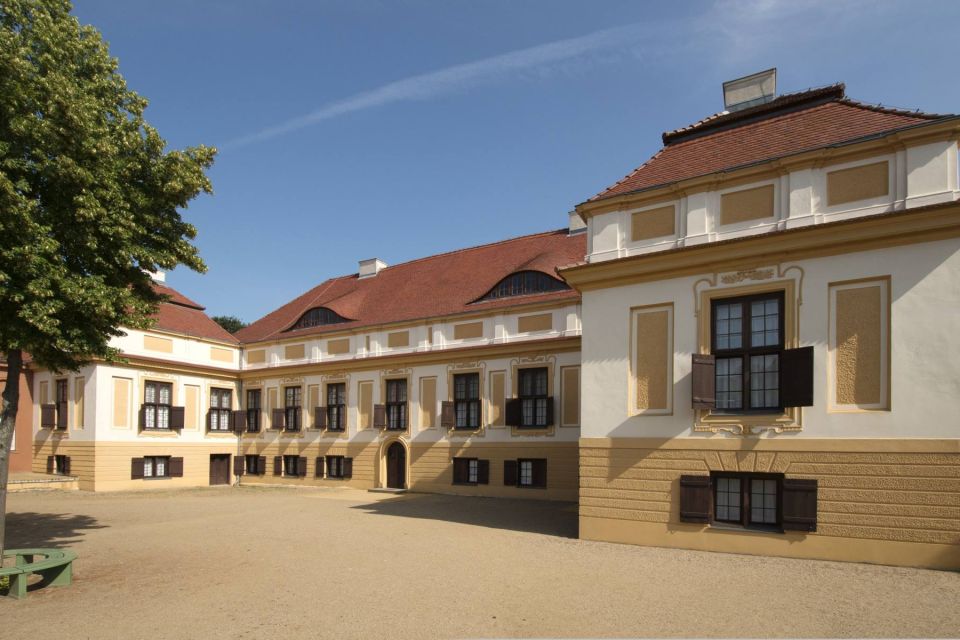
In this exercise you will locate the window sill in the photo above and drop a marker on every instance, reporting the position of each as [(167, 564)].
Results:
[(723, 526), (465, 484), (530, 486)]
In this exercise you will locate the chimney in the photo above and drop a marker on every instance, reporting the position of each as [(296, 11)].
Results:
[(371, 267), (750, 91), (577, 224)]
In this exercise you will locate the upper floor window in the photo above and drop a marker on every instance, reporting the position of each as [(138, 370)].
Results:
[(292, 408), (61, 390), (397, 404), (466, 400), (253, 410), (221, 401), (156, 405), (524, 283), (534, 399), (318, 316), (747, 340), (336, 406)]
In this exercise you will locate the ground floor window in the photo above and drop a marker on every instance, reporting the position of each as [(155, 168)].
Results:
[(527, 472), (252, 464), (156, 467), (471, 471), (746, 499), (290, 465), (335, 466)]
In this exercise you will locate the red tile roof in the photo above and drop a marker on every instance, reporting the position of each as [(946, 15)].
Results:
[(440, 285), (180, 314), (788, 125)]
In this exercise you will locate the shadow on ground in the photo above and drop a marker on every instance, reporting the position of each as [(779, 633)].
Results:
[(28, 529), (532, 516)]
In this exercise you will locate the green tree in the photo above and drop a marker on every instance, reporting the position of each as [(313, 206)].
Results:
[(230, 323), (89, 200)]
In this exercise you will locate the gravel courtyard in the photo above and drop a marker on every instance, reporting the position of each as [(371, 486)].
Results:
[(279, 562)]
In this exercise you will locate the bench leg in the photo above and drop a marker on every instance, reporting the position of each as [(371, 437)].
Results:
[(18, 585), (58, 576)]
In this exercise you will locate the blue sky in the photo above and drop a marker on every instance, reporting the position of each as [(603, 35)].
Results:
[(358, 128)]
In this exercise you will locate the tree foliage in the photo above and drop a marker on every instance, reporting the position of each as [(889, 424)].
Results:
[(89, 197), (231, 323)]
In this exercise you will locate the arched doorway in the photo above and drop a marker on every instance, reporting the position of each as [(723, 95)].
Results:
[(396, 466)]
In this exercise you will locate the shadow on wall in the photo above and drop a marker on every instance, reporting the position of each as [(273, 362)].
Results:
[(532, 516), (29, 530)]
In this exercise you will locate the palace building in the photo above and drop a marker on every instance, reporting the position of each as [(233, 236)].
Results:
[(744, 345)]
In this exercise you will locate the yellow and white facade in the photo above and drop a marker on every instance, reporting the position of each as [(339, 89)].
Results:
[(860, 244), (757, 357)]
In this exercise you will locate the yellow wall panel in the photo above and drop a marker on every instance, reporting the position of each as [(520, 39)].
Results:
[(746, 205), (467, 330), (653, 223), (858, 183)]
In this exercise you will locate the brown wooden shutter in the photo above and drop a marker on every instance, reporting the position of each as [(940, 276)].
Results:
[(177, 415), (796, 377), (483, 472), (62, 415), (318, 473), (320, 418), (176, 467), (277, 465), (50, 464), (279, 419), (348, 467), (703, 381), (460, 470), (512, 412), (302, 467), (448, 416), (209, 418), (549, 412), (66, 465), (379, 416), (230, 420), (261, 465), (142, 417), (48, 416), (239, 421), (540, 473), (799, 507), (239, 465), (136, 468), (509, 473), (696, 499)]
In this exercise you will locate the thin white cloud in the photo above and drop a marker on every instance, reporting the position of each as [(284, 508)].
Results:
[(732, 32), (428, 85)]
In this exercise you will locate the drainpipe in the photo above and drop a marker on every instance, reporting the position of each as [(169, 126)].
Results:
[(239, 434)]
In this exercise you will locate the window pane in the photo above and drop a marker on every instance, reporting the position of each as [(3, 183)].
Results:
[(763, 501), (148, 467), (164, 394), (160, 466), (729, 382), (728, 499), (765, 381)]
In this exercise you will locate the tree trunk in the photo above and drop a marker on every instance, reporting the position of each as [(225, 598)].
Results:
[(8, 421)]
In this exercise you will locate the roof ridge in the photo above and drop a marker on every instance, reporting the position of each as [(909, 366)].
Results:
[(879, 108), (475, 247)]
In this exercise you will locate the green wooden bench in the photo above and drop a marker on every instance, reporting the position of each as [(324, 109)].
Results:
[(55, 568)]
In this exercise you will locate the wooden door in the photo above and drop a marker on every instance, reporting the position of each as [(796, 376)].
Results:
[(219, 468), (396, 466)]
